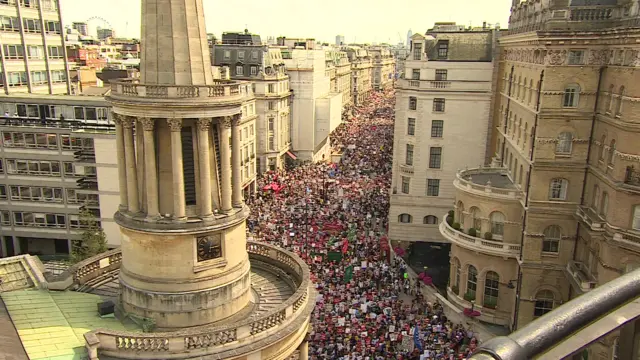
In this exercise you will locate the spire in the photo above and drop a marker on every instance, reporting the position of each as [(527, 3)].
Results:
[(175, 50)]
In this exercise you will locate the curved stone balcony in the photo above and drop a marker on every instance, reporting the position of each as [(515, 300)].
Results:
[(489, 182), (222, 91), (496, 248), (276, 323)]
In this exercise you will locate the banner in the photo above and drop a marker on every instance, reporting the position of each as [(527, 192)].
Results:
[(348, 274), (334, 256)]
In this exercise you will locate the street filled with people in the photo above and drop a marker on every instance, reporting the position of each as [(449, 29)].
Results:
[(334, 216)]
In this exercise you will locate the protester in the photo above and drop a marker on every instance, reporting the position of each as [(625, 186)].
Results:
[(335, 217)]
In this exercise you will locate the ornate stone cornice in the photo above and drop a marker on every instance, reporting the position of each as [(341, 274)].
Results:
[(616, 153), (204, 124), (147, 123), (174, 124)]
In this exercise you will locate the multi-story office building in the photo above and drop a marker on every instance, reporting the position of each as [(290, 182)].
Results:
[(340, 40), (81, 27), (264, 66), (33, 51), (104, 34), (315, 109), (442, 124), (56, 156), (339, 69), (361, 72), (558, 213), (383, 67)]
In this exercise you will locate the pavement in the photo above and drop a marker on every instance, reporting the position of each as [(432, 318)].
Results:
[(51, 325)]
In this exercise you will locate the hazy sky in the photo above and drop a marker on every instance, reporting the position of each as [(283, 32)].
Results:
[(357, 20)]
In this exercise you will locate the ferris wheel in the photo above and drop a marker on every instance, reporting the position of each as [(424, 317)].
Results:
[(95, 22)]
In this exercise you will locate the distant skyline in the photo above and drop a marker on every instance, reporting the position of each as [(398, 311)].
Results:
[(358, 20)]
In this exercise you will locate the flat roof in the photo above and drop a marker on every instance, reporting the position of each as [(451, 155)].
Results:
[(498, 179)]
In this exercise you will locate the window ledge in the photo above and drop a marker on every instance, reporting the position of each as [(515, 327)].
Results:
[(549, 254), (563, 155), (210, 264)]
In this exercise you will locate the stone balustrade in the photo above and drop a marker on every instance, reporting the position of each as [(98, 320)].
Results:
[(463, 184), (122, 89), (240, 337), (445, 85), (595, 222), (491, 247)]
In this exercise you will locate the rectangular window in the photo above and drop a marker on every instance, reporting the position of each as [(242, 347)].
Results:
[(435, 157), (32, 219), (227, 54), (438, 105), (38, 77), (576, 57), (33, 167), (441, 75), (271, 134), (443, 49), (406, 182), (58, 76), (56, 52), (3, 192), (14, 52), (411, 126), (271, 88), (17, 78), (413, 103), (270, 105), (9, 23), (570, 98), (409, 155), (239, 70), (35, 52), (240, 55), (254, 55), (417, 51), (415, 74), (31, 25), (437, 128), (433, 187), (254, 70), (188, 166)]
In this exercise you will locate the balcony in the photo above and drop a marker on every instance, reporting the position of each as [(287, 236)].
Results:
[(580, 277), (445, 85), (491, 182), (222, 91), (406, 169), (496, 248), (627, 237), (632, 179), (586, 214)]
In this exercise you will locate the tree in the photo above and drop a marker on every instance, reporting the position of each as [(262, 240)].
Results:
[(94, 240)]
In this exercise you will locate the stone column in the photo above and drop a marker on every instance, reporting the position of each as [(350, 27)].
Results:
[(122, 165), (235, 160), (150, 171), (304, 350), (179, 211), (225, 163), (130, 158), (204, 163)]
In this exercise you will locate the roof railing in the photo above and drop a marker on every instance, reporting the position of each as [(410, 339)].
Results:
[(564, 322)]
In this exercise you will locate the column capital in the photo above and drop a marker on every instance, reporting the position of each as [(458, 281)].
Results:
[(174, 124), (226, 121), (147, 123), (204, 124), (235, 119), (127, 121), (117, 118)]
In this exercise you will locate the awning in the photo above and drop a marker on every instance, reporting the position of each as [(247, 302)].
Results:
[(291, 155)]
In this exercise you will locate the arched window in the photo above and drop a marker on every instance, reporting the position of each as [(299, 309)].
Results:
[(552, 236), (595, 198), (518, 85), (565, 143), (619, 103), (544, 303), (405, 218), (525, 89), (497, 223), (460, 213), (491, 282), (456, 266), (571, 95), (475, 217), (610, 99), (603, 150), (526, 137), (520, 176), (472, 281), (430, 220), (530, 91), (615, 349), (604, 206), (558, 189), (635, 223), (612, 149)]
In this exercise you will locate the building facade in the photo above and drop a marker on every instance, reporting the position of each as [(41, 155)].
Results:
[(339, 69), (557, 213), (442, 124), (383, 67), (264, 67), (315, 109), (361, 73), (56, 157), (33, 51)]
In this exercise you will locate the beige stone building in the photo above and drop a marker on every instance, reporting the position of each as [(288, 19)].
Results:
[(339, 69), (33, 52), (442, 123), (557, 212), (384, 66), (361, 72)]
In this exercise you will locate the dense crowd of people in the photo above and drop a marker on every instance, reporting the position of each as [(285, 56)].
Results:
[(334, 215)]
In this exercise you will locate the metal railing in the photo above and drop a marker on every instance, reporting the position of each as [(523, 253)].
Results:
[(105, 126), (563, 323)]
